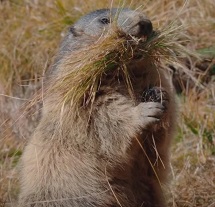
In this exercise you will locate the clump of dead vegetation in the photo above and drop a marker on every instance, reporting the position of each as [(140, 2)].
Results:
[(84, 69), (30, 32)]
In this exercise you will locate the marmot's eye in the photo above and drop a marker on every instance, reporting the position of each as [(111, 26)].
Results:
[(105, 20)]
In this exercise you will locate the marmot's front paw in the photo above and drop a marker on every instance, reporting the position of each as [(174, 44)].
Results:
[(156, 94), (150, 113)]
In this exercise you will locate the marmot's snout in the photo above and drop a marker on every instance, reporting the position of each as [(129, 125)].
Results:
[(145, 28), (135, 24)]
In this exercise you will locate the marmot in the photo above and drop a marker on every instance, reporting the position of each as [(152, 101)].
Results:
[(120, 156)]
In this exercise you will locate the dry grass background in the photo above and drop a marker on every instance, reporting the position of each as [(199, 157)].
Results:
[(30, 31)]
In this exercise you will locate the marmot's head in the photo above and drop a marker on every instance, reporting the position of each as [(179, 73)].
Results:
[(93, 25), (129, 21)]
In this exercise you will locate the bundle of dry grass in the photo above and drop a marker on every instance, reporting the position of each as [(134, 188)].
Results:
[(83, 70)]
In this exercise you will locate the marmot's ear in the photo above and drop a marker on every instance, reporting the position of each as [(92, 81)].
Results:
[(74, 31)]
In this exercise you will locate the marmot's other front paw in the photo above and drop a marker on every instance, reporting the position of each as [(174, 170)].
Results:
[(156, 94)]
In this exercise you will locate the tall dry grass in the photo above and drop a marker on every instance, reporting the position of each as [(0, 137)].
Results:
[(30, 31)]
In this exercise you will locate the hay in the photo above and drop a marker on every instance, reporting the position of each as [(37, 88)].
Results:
[(82, 71)]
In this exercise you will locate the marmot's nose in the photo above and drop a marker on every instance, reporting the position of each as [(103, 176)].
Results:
[(145, 27)]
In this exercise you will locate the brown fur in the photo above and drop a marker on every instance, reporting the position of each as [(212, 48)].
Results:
[(115, 158)]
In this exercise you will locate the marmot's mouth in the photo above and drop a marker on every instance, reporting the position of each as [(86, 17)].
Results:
[(151, 35), (143, 40)]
